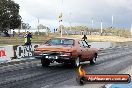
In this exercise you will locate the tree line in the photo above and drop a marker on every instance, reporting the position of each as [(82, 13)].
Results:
[(113, 31)]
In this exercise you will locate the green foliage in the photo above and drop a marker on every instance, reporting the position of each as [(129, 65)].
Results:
[(25, 26), (81, 28), (118, 32), (41, 26), (40, 33), (9, 15)]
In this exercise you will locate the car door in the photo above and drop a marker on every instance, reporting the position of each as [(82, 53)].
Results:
[(88, 52), (82, 50), (91, 53)]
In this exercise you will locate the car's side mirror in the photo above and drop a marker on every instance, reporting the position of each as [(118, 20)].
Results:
[(89, 46)]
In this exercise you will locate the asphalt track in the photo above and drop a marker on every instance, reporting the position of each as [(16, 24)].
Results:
[(32, 75)]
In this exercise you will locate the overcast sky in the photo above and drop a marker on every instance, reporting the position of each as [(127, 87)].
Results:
[(79, 12)]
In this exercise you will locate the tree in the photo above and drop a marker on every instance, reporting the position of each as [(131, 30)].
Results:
[(9, 15), (41, 26), (25, 26)]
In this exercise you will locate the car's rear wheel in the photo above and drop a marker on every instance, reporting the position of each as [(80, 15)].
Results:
[(76, 62), (92, 61), (45, 63)]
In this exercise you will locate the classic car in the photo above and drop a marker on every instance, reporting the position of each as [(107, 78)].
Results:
[(66, 50)]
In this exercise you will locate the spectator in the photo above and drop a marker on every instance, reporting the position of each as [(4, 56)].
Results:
[(28, 38), (6, 33), (54, 30), (14, 33), (84, 37)]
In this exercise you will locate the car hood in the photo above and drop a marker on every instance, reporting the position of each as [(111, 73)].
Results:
[(58, 48)]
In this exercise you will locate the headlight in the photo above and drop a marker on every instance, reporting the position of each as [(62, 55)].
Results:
[(65, 54)]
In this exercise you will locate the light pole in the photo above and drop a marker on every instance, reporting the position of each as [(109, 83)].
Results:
[(112, 20), (61, 28), (21, 26), (92, 24), (70, 20), (131, 30), (61, 17), (92, 27), (38, 26), (101, 27)]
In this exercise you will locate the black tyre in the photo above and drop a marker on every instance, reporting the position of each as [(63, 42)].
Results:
[(81, 80), (76, 62), (92, 61), (45, 63)]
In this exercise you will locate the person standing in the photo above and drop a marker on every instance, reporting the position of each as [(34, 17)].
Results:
[(14, 33), (28, 38), (84, 38)]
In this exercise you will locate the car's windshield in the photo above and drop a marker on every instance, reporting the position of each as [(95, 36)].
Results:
[(60, 42)]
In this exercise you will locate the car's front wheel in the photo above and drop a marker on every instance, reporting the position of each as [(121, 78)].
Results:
[(92, 61), (45, 63), (76, 62)]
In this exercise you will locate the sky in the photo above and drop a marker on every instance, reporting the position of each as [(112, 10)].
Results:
[(77, 12)]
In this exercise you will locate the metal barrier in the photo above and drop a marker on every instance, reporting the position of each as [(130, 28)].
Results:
[(101, 45)]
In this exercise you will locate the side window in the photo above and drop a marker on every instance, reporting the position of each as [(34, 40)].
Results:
[(81, 43), (68, 42)]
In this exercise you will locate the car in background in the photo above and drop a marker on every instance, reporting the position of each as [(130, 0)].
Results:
[(5, 34), (66, 50), (2, 34)]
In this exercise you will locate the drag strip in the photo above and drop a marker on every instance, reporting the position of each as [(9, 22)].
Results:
[(32, 75)]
